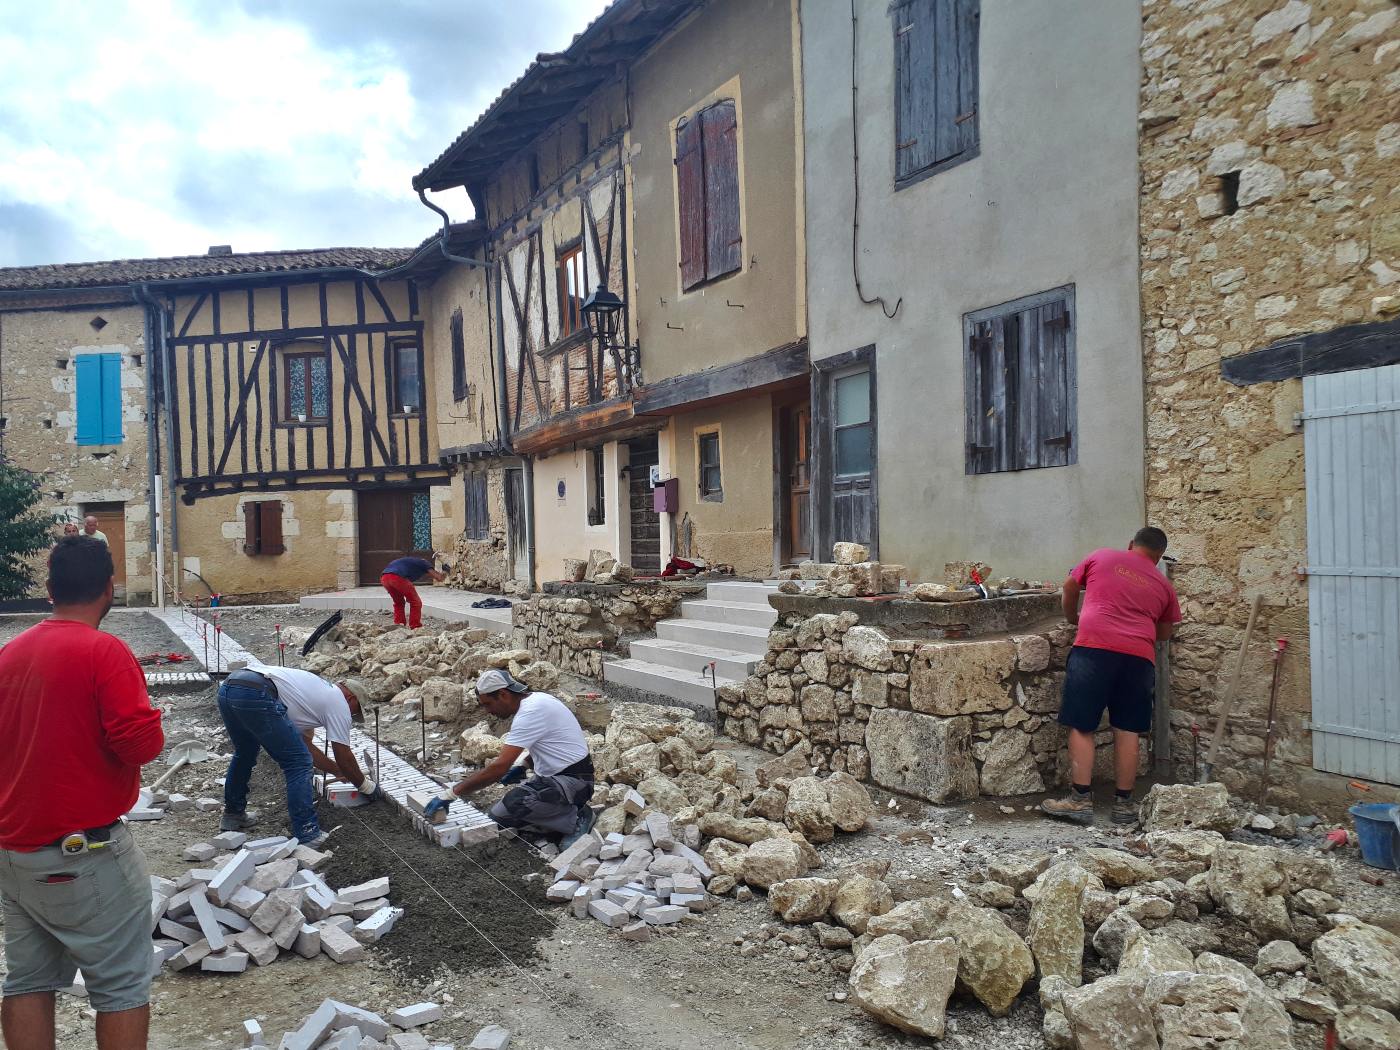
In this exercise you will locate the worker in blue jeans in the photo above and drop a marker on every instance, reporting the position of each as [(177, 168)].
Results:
[(278, 710)]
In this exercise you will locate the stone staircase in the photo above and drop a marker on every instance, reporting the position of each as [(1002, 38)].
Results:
[(728, 627)]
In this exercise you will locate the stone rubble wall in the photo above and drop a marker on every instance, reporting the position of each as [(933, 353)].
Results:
[(1296, 100), (939, 719)]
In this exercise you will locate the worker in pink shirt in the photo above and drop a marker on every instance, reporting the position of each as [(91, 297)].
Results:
[(1128, 608)]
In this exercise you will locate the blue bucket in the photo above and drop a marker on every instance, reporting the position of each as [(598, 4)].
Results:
[(1376, 833)]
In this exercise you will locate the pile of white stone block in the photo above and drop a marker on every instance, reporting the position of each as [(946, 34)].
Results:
[(338, 1026), (252, 900), (652, 877)]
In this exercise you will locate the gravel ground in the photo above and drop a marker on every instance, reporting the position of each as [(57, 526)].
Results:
[(479, 939)]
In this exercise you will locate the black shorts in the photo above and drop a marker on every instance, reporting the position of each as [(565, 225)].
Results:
[(1096, 679)]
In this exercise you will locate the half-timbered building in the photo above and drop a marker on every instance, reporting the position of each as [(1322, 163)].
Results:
[(651, 168)]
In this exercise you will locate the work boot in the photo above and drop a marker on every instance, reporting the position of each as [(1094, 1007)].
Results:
[(238, 821), (317, 842), (586, 820), (1125, 811), (1074, 807)]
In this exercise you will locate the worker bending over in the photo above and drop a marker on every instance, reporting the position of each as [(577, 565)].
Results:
[(1128, 608), (278, 709), (398, 579), (553, 804)]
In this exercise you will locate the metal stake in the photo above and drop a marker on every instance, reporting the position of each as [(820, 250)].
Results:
[(376, 744), (423, 722), (281, 649)]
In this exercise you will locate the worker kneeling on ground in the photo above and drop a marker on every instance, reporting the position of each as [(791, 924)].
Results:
[(1128, 607), (398, 579), (553, 804), (278, 709), (77, 726)]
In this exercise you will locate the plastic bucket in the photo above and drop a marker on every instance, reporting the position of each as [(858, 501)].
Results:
[(1376, 833)]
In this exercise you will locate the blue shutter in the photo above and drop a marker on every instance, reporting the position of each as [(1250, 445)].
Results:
[(111, 399), (89, 379)]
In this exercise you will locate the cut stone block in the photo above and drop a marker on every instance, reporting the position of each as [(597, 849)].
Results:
[(610, 851), (310, 859), (273, 875), (245, 901), (588, 846), (308, 942), (362, 911), (636, 931), (633, 803), (561, 892), (208, 805), (229, 840), (409, 1041), (145, 814), (368, 1022), (348, 1038), (583, 897), (189, 956), (236, 871), (418, 803), (258, 945), (285, 935), (231, 919), (492, 1037), (697, 862), (689, 901), (665, 915), (416, 1016), (225, 962), (377, 925), (159, 902), (274, 908), (658, 826), (313, 1030), (365, 891), (340, 946), (179, 932), (165, 887), (199, 852), (253, 1033), (608, 914), (208, 924), (340, 922), (166, 950)]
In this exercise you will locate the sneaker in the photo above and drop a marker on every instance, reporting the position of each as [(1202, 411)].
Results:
[(1125, 811), (586, 820), (317, 842), (238, 821), (1074, 807)]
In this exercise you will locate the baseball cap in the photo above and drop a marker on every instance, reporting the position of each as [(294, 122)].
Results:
[(495, 680), (359, 687)]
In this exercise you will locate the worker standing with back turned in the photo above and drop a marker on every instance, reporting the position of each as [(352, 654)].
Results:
[(1128, 608), (398, 579), (77, 725)]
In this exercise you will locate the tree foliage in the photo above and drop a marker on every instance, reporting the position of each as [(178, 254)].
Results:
[(24, 531)]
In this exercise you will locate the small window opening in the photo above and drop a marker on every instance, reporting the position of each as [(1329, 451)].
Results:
[(597, 514), (62, 363), (48, 424), (1230, 192), (135, 360), (98, 323), (100, 455), (58, 494)]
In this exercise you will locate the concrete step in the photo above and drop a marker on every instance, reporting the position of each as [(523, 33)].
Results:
[(687, 686), (750, 615), (739, 638), (687, 656), (753, 593)]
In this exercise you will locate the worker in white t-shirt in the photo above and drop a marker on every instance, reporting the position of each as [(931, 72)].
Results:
[(279, 710), (553, 804)]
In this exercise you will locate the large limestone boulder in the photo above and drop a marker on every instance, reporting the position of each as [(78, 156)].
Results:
[(442, 699), (1194, 1010), (747, 830), (1145, 954), (725, 857), (929, 758), (808, 809), (1110, 1015), (1115, 867), (1248, 883), (994, 963), (867, 647), (1008, 767), (1113, 934), (1366, 1028), (906, 984), (795, 763), (1358, 963), (661, 792), (479, 747), (914, 920), (851, 806), (1188, 807), (1018, 870), (962, 678), (772, 861), (859, 899), (1056, 930), (802, 900)]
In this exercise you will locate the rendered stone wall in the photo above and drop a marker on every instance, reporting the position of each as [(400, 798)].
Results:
[(1296, 101), (481, 565), (941, 719)]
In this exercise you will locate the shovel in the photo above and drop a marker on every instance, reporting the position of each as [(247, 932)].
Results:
[(182, 754)]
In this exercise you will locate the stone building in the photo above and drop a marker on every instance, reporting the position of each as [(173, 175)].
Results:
[(1270, 240)]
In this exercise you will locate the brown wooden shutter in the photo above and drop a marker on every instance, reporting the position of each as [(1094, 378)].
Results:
[(690, 193), (250, 528), (270, 526), (724, 247)]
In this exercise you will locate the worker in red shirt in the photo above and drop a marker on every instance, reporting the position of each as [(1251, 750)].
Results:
[(398, 579), (78, 726), (1128, 608)]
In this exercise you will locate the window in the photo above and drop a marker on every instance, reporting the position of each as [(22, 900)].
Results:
[(707, 458), (99, 397), (306, 384), (422, 522), (478, 515), (572, 290), (707, 191), (935, 49), (262, 527), (851, 429), (459, 357), (408, 390), (597, 513), (1019, 375)]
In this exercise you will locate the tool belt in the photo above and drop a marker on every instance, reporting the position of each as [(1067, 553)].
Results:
[(76, 842)]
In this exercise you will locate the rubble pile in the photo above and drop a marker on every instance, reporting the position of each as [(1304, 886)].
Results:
[(600, 567), (339, 1026), (252, 900), (853, 575)]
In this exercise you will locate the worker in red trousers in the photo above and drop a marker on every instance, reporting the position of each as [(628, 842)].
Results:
[(398, 579)]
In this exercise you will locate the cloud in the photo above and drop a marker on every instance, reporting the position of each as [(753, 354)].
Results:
[(156, 127)]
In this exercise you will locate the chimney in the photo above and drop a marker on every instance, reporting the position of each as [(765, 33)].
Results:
[(221, 249)]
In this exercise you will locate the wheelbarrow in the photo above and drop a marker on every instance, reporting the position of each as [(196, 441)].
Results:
[(183, 754)]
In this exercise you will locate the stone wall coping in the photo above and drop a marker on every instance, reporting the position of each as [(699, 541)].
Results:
[(910, 618), (570, 589)]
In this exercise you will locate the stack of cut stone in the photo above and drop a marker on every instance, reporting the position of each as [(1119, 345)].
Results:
[(651, 877), (259, 900), (339, 1026), (851, 575)]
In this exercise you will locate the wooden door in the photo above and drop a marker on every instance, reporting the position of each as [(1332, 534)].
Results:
[(111, 522), (386, 530), (797, 482), (516, 533), (845, 460), (643, 454)]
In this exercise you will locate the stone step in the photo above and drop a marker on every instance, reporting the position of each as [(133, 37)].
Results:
[(689, 687), (741, 591), (687, 656), (745, 613), (739, 638)]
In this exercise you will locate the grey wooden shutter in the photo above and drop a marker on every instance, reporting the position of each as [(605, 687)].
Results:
[(723, 247), (936, 75), (1055, 386), (690, 193), (964, 111), (478, 517), (980, 378), (914, 77), (459, 357)]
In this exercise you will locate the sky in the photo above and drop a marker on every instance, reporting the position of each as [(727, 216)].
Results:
[(138, 128)]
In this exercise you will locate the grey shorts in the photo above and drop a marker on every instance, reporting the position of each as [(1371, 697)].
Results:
[(97, 919)]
